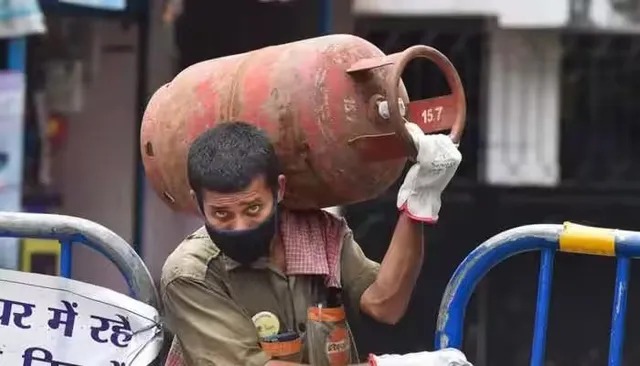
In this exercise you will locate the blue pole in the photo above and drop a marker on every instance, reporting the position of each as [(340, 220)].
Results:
[(17, 61), (66, 255), (545, 278), (326, 18), (17, 55), (141, 97), (619, 311)]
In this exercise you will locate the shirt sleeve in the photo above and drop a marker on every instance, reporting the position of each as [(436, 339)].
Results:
[(357, 271), (211, 327)]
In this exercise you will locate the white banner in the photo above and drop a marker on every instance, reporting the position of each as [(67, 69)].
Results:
[(48, 320)]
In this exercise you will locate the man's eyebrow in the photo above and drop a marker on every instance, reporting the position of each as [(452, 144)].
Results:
[(252, 201), (216, 207), (248, 201)]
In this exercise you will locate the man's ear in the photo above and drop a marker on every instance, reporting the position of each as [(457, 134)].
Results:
[(282, 184), (194, 198)]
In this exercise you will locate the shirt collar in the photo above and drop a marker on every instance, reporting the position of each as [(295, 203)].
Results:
[(262, 263)]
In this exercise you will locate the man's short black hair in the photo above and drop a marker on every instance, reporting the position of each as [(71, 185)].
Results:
[(229, 156)]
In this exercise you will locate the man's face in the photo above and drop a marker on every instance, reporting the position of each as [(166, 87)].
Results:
[(242, 210)]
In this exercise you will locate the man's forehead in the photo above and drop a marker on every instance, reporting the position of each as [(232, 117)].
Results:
[(255, 191), (226, 199)]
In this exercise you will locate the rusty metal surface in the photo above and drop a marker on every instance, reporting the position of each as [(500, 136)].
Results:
[(301, 94), (453, 80), (436, 114)]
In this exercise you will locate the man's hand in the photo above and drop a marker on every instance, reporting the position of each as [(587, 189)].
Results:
[(437, 161), (444, 357)]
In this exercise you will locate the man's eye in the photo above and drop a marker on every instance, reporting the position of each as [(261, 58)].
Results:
[(220, 214), (254, 209)]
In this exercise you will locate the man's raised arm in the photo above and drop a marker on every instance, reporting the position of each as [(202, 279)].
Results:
[(386, 300)]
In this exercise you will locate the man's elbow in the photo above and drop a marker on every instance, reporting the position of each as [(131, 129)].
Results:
[(387, 317), (381, 310)]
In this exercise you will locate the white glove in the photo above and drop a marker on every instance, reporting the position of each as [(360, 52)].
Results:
[(437, 161), (443, 357)]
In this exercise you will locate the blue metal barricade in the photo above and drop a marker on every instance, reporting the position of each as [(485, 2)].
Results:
[(548, 239), (69, 230)]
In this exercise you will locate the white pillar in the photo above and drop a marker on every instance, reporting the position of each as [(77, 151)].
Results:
[(523, 133)]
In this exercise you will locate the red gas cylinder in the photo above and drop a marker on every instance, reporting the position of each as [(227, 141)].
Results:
[(334, 107)]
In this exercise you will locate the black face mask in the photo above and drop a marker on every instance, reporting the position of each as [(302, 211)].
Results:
[(246, 246)]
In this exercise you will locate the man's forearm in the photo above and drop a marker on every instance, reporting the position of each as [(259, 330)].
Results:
[(386, 300)]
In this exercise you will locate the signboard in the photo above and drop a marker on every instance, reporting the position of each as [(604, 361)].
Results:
[(19, 18), (48, 320), (12, 91)]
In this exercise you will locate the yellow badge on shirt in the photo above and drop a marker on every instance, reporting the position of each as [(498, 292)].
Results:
[(266, 323)]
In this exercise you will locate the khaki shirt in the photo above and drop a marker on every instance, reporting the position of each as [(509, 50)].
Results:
[(209, 300)]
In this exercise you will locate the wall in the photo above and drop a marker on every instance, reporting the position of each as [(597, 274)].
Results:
[(96, 169), (163, 229)]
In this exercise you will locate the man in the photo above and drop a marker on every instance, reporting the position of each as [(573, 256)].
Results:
[(254, 260)]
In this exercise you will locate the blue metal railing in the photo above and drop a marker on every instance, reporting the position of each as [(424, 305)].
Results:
[(69, 230), (17, 54), (548, 239)]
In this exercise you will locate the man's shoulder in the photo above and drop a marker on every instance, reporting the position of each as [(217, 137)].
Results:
[(322, 216), (191, 259)]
